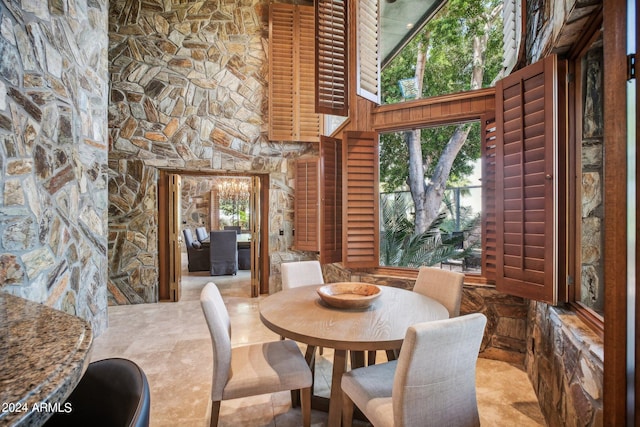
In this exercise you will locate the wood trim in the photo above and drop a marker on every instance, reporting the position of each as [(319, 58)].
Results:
[(164, 293), (265, 257), (615, 234), (435, 110)]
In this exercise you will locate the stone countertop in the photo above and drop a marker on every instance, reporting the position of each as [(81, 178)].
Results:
[(43, 354)]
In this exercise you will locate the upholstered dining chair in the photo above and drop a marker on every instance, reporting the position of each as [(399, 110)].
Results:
[(433, 382), (443, 286), (197, 252), (223, 252), (201, 234), (253, 369), (301, 273)]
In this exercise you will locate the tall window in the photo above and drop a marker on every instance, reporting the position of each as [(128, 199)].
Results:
[(449, 234)]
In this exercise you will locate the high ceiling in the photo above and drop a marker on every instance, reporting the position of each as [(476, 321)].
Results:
[(400, 20)]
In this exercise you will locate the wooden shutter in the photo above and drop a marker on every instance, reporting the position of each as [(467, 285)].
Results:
[(307, 205), (332, 57), (331, 200), (530, 199), (292, 114), (368, 74), (488, 129), (360, 214)]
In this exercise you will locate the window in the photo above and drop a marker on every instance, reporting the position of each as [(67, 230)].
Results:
[(437, 220)]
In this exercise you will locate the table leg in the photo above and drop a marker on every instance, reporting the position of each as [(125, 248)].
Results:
[(335, 402)]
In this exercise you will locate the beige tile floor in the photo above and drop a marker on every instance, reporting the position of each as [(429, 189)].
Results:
[(171, 342)]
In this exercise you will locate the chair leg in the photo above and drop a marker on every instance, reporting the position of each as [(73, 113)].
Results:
[(347, 410), (305, 403), (215, 413)]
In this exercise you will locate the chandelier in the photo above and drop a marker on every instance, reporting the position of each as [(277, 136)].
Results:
[(233, 189)]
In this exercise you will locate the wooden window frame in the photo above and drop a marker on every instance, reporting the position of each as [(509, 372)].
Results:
[(587, 315)]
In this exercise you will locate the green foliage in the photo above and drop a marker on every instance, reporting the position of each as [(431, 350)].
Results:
[(400, 247), (448, 39)]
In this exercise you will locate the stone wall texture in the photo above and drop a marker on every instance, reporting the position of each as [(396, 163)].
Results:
[(53, 154), (565, 365), (188, 92), (564, 359)]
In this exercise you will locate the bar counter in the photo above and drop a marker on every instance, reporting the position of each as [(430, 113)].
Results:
[(43, 354)]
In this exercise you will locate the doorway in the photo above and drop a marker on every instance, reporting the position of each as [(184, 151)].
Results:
[(212, 201)]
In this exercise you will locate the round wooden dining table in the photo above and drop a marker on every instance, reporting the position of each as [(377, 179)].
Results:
[(300, 314)]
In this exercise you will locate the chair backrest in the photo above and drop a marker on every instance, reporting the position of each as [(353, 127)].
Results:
[(236, 228), (188, 237), (201, 233), (223, 252), (441, 285), (112, 392), (219, 324), (301, 273), (435, 380)]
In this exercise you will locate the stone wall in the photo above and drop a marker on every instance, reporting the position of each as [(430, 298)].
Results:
[(195, 202), (565, 365), (564, 358), (188, 92), (53, 154), (505, 335), (592, 143)]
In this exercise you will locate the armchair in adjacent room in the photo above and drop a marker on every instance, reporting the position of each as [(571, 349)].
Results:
[(197, 253)]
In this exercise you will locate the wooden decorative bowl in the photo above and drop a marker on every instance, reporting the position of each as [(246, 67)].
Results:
[(349, 294)]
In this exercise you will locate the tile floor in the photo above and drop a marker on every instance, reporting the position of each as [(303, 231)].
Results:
[(171, 342)]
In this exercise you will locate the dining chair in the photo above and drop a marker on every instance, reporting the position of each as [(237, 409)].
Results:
[(442, 285), (197, 252), (301, 273), (223, 252), (111, 393), (253, 369), (433, 382), (201, 234)]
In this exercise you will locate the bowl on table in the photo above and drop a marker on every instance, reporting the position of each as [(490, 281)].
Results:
[(349, 294)]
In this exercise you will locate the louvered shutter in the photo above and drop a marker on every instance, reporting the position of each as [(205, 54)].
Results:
[(488, 129), (368, 67), (360, 217), (530, 199), (292, 114), (512, 32), (332, 57), (307, 205), (331, 200)]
